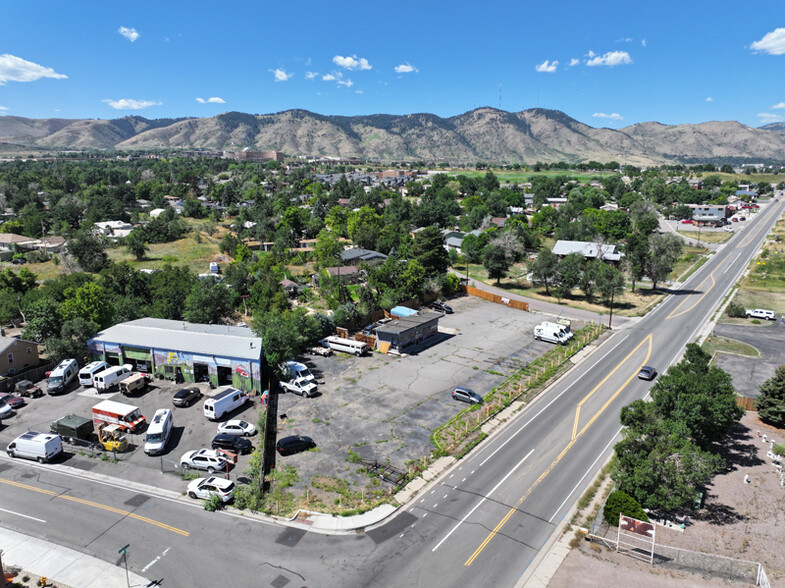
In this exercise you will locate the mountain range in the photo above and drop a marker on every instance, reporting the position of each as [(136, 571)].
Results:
[(481, 135)]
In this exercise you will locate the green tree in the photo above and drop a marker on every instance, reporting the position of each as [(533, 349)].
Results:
[(208, 302), (610, 282), (327, 249), (43, 320), (428, 249), (88, 302), (72, 341), (229, 244), (136, 245), (168, 290), (618, 503), (569, 273), (89, 251), (664, 252), (544, 269), (771, 400), (472, 246), (496, 263), (636, 256)]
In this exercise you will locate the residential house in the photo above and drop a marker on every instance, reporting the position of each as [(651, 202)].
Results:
[(589, 250), (16, 355), (113, 229), (712, 215), (356, 254)]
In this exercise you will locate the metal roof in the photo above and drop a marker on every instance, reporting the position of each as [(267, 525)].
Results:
[(153, 333), (402, 325)]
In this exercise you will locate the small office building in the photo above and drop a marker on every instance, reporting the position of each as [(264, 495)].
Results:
[(189, 352), (399, 334)]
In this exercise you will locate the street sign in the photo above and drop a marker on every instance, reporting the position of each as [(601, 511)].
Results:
[(124, 550)]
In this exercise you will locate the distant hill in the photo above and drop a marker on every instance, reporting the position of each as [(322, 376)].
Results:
[(481, 135)]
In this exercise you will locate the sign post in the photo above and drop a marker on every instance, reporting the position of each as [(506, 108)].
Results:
[(124, 551)]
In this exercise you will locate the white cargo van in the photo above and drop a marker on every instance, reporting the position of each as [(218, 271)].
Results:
[(62, 376), (39, 446), (565, 329), (87, 373), (551, 334), (296, 370), (110, 377), (158, 432), (224, 402), (346, 345)]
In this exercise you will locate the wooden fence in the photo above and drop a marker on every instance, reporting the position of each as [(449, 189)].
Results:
[(746, 403), (471, 291)]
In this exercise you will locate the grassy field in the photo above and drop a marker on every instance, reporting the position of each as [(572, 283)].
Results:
[(714, 345), (196, 251), (521, 177), (707, 236), (687, 264)]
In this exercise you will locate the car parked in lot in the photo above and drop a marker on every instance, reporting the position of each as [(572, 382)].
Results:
[(647, 373), (440, 307), (203, 459), (186, 397), (5, 410), (761, 314), (237, 427), (13, 400), (232, 443), (466, 395), (294, 444), (687, 221), (28, 389), (728, 228), (207, 487)]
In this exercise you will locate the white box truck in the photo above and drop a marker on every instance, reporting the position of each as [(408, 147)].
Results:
[(551, 334), (127, 417), (33, 445), (224, 402)]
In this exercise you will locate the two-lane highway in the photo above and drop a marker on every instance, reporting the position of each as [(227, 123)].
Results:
[(483, 523)]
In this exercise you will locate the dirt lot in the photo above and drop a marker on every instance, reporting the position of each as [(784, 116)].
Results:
[(742, 521)]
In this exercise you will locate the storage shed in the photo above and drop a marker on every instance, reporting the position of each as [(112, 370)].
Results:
[(190, 352), (403, 332)]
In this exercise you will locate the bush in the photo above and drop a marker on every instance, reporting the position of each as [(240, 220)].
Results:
[(778, 449), (213, 503), (620, 502), (735, 310)]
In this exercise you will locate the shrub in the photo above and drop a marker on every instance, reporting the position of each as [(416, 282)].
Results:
[(213, 503), (735, 310), (778, 449), (619, 502)]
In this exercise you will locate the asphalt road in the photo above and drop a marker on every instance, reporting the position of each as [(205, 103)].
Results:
[(482, 524)]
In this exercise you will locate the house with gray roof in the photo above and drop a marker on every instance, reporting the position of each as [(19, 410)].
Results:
[(589, 250), (220, 354), (356, 254)]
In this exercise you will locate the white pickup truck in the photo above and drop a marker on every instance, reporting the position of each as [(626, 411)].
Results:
[(761, 314), (300, 386)]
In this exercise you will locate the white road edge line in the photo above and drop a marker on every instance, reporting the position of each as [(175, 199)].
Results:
[(19, 514), (584, 475), (732, 262), (482, 463), (484, 498), (155, 561)]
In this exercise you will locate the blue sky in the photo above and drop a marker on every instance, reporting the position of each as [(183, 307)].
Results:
[(606, 64)]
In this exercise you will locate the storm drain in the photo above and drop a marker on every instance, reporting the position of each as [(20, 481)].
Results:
[(279, 582), (290, 537), (137, 500)]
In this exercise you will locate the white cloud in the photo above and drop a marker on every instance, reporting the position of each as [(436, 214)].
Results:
[(347, 83), (709, 99), (770, 117), (3, 108), (201, 100), (611, 58), (779, 105), (131, 104), (281, 75), (612, 116), (213, 100), (16, 69), (591, 54), (574, 62), (309, 75), (328, 78), (352, 62), (772, 43), (358, 91), (625, 40), (406, 68), (129, 34), (643, 42), (547, 66)]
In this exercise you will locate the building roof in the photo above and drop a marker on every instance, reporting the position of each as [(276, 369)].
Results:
[(346, 270), (587, 249), (404, 324), (356, 253), (154, 333), (6, 342)]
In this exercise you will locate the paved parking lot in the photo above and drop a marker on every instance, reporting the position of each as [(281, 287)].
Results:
[(749, 373), (191, 430), (385, 406)]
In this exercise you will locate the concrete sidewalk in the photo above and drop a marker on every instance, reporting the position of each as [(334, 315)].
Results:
[(60, 565)]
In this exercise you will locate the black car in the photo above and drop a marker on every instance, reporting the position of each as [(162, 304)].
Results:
[(441, 307), (186, 396), (232, 443), (647, 373), (294, 444)]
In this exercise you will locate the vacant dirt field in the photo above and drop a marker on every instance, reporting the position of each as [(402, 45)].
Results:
[(741, 521)]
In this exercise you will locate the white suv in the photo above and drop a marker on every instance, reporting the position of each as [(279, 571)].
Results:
[(760, 313), (203, 459), (206, 487)]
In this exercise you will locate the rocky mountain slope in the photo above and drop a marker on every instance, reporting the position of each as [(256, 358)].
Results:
[(484, 134)]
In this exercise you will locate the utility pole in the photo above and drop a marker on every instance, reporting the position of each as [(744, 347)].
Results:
[(610, 316)]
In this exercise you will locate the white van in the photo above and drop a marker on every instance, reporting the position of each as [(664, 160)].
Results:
[(551, 334), (158, 432), (224, 402), (295, 370), (357, 348), (565, 329), (87, 373), (39, 446), (111, 376), (62, 376)]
